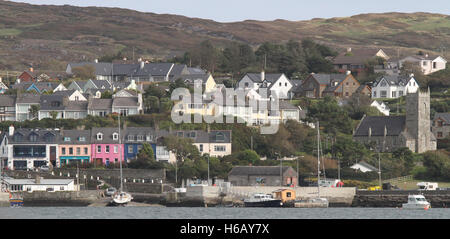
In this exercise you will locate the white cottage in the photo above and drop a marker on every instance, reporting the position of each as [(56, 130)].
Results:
[(394, 86)]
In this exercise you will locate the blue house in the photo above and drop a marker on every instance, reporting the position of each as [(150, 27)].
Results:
[(134, 139)]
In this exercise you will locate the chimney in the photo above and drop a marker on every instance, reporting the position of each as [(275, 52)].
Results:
[(370, 131), (349, 49), (348, 72), (411, 75), (96, 60), (263, 75), (11, 130), (142, 65), (426, 55), (0, 79), (31, 69)]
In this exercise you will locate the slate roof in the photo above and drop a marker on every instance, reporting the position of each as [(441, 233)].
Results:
[(194, 77), (364, 164), (393, 80), (52, 102), (258, 170), (285, 105), (270, 77), (28, 98), (7, 100), (443, 116), (107, 135), (125, 102), (101, 68), (194, 70), (74, 136), (143, 131), (41, 136), (100, 104), (394, 125)]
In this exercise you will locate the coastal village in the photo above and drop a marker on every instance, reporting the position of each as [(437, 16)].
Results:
[(44, 158), (114, 107)]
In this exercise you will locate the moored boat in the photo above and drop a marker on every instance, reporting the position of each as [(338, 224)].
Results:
[(416, 202), (262, 200), (312, 203), (15, 200)]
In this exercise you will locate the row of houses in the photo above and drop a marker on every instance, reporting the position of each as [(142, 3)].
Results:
[(31, 148), (356, 60), (68, 104)]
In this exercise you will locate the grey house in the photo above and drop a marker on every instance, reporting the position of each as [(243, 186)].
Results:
[(262, 176)]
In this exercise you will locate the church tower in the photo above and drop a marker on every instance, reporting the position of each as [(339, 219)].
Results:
[(418, 120)]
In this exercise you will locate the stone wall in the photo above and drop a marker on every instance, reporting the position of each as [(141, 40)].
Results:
[(395, 198), (4, 199)]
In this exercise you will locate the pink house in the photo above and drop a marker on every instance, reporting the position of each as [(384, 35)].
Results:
[(105, 147)]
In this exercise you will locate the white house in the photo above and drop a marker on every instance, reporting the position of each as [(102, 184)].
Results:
[(277, 83), (394, 86), (381, 106), (427, 63), (39, 184)]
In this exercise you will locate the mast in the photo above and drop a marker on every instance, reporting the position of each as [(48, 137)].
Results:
[(318, 159), (120, 157)]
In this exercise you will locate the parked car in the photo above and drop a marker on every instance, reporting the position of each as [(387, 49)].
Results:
[(44, 168), (110, 191)]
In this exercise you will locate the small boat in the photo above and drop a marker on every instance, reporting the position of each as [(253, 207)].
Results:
[(316, 202), (312, 203), (262, 200), (416, 202), (15, 200), (122, 198)]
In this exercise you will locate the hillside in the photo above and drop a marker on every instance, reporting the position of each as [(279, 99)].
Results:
[(47, 37)]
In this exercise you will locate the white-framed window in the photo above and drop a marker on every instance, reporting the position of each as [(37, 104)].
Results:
[(130, 137), (66, 139), (115, 136), (219, 148), (107, 149), (383, 94), (116, 149), (99, 136), (99, 148)]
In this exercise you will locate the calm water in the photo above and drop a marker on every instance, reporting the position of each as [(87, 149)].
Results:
[(218, 213)]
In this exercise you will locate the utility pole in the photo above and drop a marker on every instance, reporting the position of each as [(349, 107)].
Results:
[(379, 168)]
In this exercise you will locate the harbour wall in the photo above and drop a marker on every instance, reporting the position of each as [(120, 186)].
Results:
[(214, 195), (4, 199), (67, 198), (395, 198)]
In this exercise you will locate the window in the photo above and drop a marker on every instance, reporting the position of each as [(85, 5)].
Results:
[(82, 139), (78, 150), (383, 94), (107, 149), (70, 151), (130, 137), (99, 136), (63, 151), (394, 94), (33, 137), (86, 150), (116, 160), (116, 149), (439, 124), (424, 63), (434, 65), (130, 148), (201, 148), (115, 136), (400, 93), (66, 139), (219, 148), (439, 134), (374, 94), (220, 137), (140, 138), (99, 149), (285, 84)]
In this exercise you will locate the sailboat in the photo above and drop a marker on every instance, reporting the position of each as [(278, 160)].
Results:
[(317, 202), (121, 197)]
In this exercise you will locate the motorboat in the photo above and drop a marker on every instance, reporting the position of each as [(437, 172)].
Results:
[(15, 199), (312, 203), (416, 202), (262, 200)]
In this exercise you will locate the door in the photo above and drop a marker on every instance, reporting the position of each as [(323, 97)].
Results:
[(53, 155)]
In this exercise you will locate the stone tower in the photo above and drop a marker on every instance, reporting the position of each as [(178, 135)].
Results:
[(418, 120)]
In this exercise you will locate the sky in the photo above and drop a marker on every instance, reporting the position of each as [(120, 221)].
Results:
[(239, 10)]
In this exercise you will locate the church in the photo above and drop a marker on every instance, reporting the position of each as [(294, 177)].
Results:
[(388, 133)]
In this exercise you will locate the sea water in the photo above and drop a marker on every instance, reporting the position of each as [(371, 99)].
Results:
[(218, 213)]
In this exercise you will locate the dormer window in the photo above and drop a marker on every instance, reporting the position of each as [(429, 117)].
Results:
[(130, 137), (140, 138), (81, 139), (49, 137), (33, 137), (220, 137), (99, 136), (115, 136), (18, 137), (66, 139)]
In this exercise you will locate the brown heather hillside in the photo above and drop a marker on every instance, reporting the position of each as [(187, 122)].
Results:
[(47, 37)]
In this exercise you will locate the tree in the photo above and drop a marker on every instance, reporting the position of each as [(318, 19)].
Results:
[(106, 95), (85, 72), (53, 114), (34, 111)]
